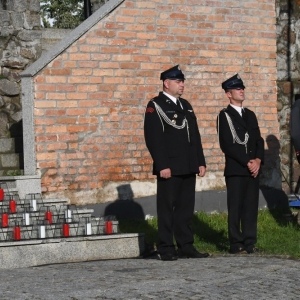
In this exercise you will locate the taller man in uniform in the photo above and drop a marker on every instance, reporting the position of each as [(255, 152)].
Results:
[(173, 140), (243, 146)]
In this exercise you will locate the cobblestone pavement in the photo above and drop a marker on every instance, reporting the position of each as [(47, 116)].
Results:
[(220, 277)]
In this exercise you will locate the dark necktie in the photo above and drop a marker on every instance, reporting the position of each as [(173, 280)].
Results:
[(243, 114), (178, 103)]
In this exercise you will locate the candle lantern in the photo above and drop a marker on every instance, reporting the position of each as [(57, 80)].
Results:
[(108, 227), (1, 194), (42, 231), (88, 227), (66, 229), (26, 218), (12, 206), (17, 233), (33, 204), (68, 215), (4, 220), (48, 216)]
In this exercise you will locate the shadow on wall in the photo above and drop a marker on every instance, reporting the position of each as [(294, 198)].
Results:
[(271, 175), (276, 198), (125, 208)]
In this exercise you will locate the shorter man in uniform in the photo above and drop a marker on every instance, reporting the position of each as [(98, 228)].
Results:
[(243, 146), (173, 140)]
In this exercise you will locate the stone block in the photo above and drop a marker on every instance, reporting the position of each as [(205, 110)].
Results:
[(287, 87), (2, 102), (5, 19), (27, 186), (34, 5), (16, 5), (17, 20), (30, 35), (9, 88), (10, 160), (32, 21), (7, 145)]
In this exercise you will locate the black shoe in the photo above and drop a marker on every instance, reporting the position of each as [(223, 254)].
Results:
[(193, 253), (253, 250), (239, 250), (168, 256)]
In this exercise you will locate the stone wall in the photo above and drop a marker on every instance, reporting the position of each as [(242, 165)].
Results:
[(288, 67), (89, 99), (96, 4), (19, 46)]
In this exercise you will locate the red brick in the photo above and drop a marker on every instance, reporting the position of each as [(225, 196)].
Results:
[(45, 87)]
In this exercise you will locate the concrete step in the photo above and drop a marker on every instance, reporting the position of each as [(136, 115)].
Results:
[(40, 242), (29, 253), (24, 185)]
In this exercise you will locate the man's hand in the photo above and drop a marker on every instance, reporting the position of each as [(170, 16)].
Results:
[(165, 173), (202, 171), (254, 166)]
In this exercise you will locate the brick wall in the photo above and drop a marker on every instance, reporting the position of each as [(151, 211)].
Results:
[(89, 101)]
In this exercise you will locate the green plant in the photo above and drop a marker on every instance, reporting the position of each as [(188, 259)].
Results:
[(277, 234), (12, 173)]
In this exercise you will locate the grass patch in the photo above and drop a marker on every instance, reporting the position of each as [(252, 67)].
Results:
[(277, 234)]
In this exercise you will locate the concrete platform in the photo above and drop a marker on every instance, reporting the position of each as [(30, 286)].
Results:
[(31, 253)]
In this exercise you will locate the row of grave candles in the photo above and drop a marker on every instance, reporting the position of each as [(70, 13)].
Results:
[(65, 230), (48, 218)]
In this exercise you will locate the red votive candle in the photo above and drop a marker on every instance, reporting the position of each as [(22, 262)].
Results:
[(1, 194), (4, 221), (108, 227), (17, 233), (12, 206), (48, 216), (66, 230)]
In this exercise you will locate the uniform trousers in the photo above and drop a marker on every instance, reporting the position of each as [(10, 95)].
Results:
[(242, 204), (175, 209)]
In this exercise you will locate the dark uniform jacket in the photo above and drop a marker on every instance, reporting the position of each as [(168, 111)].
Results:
[(237, 156), (177, 149), (295, 125)]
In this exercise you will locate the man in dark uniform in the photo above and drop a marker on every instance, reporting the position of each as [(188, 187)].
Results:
[(295, 126), (173, 140), (243, 146)]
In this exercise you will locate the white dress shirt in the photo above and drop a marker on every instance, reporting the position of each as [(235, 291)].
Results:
[(238, 109)]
